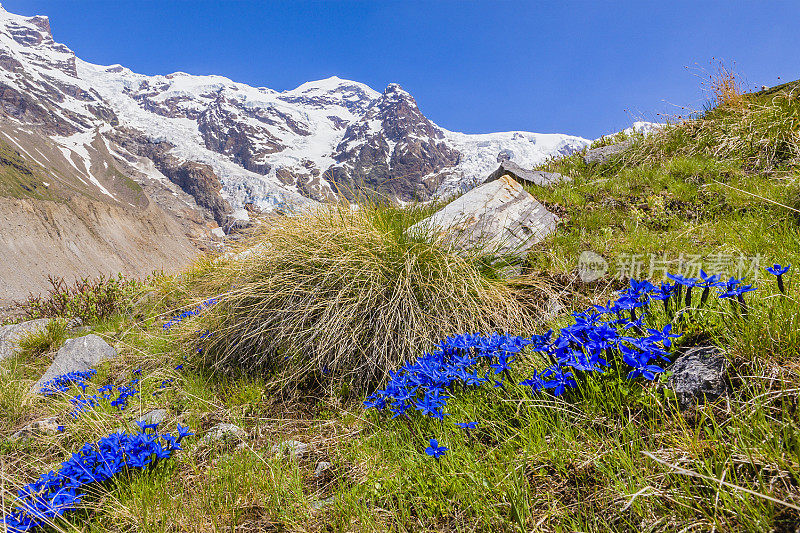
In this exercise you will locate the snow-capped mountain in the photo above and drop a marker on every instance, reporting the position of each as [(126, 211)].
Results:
[(227, 145)]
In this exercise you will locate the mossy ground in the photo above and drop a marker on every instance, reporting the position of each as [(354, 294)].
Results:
[(612, 456)]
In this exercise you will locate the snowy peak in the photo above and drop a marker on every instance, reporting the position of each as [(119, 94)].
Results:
[(332, 92), (392, 138), (29, 40), (230, 145)]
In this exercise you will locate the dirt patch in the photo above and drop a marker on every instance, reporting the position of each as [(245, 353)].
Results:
[(84, 237)]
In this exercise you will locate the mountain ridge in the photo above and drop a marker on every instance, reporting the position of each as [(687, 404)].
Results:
[(265, 147), (184, 158)]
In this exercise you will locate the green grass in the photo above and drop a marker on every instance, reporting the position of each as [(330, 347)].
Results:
[(40, 342), (19, 178), (534, 463), (695, 206), (612, 455)]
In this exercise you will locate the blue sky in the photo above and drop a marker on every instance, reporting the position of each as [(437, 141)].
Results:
[(585, 68)]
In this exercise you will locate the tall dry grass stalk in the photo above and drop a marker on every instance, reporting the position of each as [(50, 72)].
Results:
[(345, 294), (725, 85)]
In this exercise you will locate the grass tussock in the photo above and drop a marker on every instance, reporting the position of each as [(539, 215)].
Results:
[(347, 294), (40, 342)]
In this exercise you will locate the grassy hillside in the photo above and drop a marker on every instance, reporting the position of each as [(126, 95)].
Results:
[(272, 342), (722, 187), (18, 177)]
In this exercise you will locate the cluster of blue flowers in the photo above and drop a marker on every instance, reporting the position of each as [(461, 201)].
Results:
[(117, 396), (62, 383), (57, 492), (191, 312), (422, 385), (601, 338)]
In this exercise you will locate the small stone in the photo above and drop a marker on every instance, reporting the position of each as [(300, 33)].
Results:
[(604, 153), (699, 375), (321, 504), (156, 416), (47, 426), (322, 467), (223, 431), (293, 448)]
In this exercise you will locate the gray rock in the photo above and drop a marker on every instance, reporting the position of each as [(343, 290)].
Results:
[(498, 218), (322, 467), (221, 432), (699, 375), (77, 355), (604, 153), (523, 175), (156, 416), (47, 426), (321, 504), (504, 155), (292, 448), (11, 334)]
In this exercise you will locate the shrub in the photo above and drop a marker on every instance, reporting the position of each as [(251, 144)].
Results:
[(346, 294), (87, 299)]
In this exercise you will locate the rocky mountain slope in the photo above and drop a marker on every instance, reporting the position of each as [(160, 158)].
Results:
[(195, 154), (245, 144)]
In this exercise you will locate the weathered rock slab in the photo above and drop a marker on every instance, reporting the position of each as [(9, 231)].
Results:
[(524, 175), (11, 334), (321, 468), (156, 416), (498, 218), (222, 432), (699, 375), (77, 355), (604, 153)]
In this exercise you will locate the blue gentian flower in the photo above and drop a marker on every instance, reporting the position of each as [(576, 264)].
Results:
[(434, 450), (560, 381), (640, 362), (535, 382), (778, 271)]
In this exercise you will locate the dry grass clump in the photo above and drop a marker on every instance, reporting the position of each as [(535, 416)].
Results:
[(725, 85), (345, 294)]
